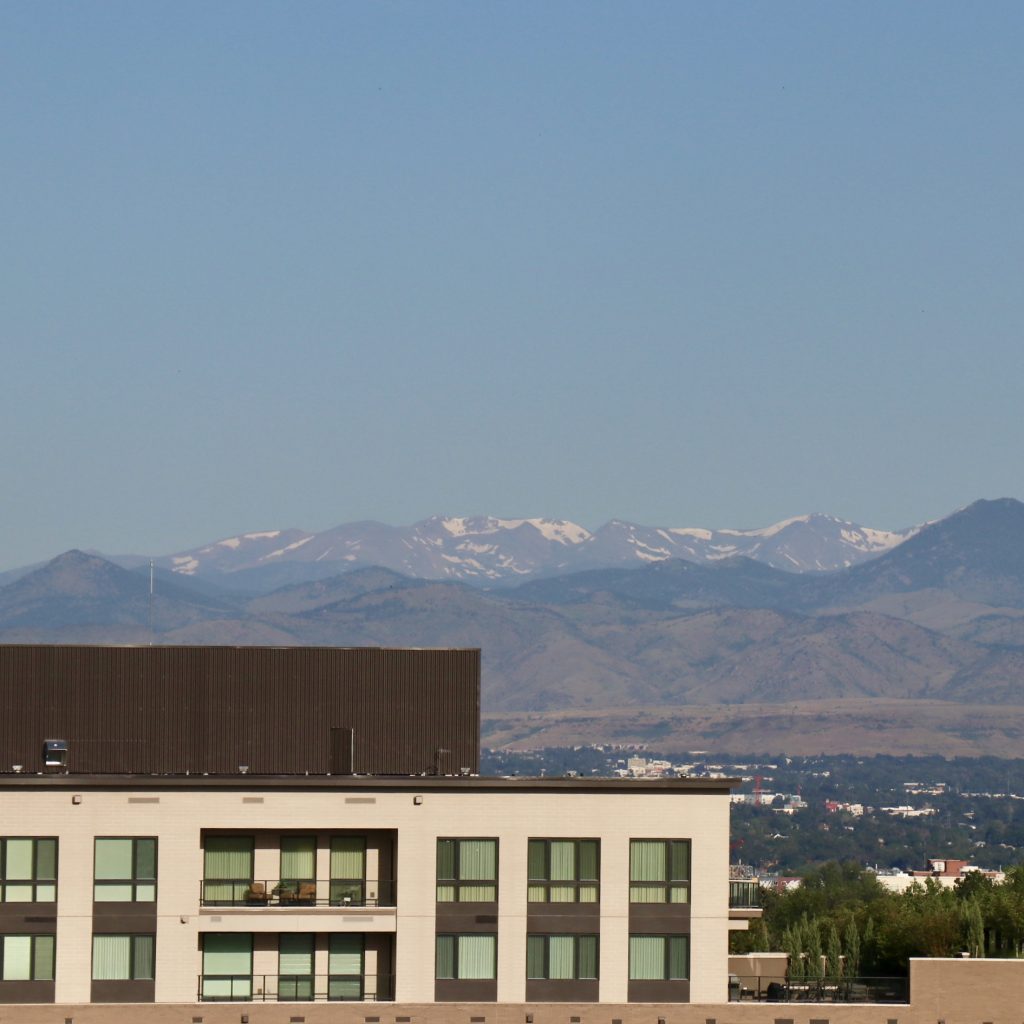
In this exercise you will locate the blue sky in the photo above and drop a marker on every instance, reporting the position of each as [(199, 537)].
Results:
[(274, 265)]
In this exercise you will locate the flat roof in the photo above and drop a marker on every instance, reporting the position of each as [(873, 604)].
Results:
[(411, 783)]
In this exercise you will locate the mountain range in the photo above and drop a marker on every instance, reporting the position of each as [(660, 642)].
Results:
[(725, 648), (489, 551)]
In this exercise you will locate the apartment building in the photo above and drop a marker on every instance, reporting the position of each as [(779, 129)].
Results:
[(201, 826)]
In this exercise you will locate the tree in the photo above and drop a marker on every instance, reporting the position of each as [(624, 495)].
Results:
[(851, 945), (833, 951), (974, 926)]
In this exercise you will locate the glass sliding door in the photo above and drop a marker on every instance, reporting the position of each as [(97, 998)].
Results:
[(227, 869), (298, 869), (295, 967), (345, 967), (348, 871), (227, 966)]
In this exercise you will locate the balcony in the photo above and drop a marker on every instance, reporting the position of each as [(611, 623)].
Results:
[(295, 988), (743, 989), (744, 895), (262, 893), (744, 902)]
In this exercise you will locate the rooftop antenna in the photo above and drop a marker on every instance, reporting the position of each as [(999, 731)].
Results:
[(151, 602)]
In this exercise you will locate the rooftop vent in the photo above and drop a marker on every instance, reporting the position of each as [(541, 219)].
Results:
[(55, 753)]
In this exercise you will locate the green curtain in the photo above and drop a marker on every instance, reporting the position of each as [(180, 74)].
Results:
[(298, 858), (345, 966), (295, 954), (43, 957), (587, 945), (563, 868), (445, 957), (678, 957), (646, 957), (111, 957), (445, 870), (227, 953), (346, 954), (588, 860), (476, 956), (535, 860), (478, 861), (143, 957), (647, 863), (17, 959), (561, 957), (679, 871), (19, 869), (348, 857), (46, 870), (228, 858), (348, 869), (535, 956), (113, 862), (145, 870)]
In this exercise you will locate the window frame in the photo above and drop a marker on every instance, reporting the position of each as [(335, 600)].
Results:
[(456, 938), (132, 937), (307, 978), (668, 938), (237, 888), (668, 885), (33, 939), (457, 884), (576, 956), (35, 882), (577, 883), (136, 881), (243, 980)]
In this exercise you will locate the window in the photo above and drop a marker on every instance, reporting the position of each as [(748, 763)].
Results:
[(467, 870), (122, 957), (26, 957), (28, 870), (227, 966), (298, 869), (561, 957), (125, 871), (295, 967), (659, 871), (659, 957), (348, 871), (467, 956), (563, 870), (345, 967), (227, 869)]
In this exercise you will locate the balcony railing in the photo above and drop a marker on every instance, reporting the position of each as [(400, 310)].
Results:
[(744, 895), (337, 892), (295, 988), (818, 990)]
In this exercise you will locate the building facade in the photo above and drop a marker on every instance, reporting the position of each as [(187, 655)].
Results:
[(255, 889)]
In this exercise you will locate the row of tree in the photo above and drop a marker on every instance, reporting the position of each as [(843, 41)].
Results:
[(840, 922)]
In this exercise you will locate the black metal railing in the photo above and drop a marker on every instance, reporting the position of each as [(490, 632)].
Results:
[(743, 989), (744, 895), (296, 892), (296, 988)]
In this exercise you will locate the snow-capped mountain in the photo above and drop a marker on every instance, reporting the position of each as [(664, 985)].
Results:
[(492, 551)]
